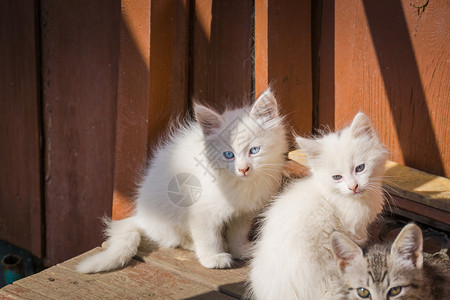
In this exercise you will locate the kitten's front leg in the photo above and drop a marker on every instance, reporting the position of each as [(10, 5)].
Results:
[(237, 236), (209, 244)]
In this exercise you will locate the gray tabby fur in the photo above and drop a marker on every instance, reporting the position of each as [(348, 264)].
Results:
[(384, 267)]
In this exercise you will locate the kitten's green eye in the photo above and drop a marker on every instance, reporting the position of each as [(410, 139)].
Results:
[(395, 291), (337, 177), (363, 293), (360, 168)]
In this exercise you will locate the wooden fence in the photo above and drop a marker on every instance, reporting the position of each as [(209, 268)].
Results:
[(87, 87)]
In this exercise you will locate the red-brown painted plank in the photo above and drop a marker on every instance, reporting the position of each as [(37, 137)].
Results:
[(20, 171), (283, 57), (132, 103), (221, 58), (390, 61), (325, 79), (79, 74), (153, 87), (169, 45)]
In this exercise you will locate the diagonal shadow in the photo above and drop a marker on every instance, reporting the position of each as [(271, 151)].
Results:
[(404, 89)]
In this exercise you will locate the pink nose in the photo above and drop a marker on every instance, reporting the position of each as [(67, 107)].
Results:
[(354, 188), (244, 170)]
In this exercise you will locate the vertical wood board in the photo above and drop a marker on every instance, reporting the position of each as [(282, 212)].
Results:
[(169, 34), (20, 183), (391, 62), (220, 60), (132, 103), (79, 65), (152, 88), (324, 101), (283, 57)]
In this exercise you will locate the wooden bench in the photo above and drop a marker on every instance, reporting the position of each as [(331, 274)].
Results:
[(162, 274)]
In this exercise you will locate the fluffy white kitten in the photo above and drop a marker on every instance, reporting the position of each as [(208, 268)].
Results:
[(203, 187), (292, 258)]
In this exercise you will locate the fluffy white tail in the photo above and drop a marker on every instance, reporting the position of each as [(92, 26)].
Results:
[(123, 240)]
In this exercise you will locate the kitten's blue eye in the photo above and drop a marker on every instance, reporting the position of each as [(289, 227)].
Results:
[(228, 154), (337, 177), (254, 150), (363, 293), (395, 291), (360, 168)]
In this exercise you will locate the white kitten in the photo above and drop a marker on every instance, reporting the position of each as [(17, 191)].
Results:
[(292, 258), (204, 187)]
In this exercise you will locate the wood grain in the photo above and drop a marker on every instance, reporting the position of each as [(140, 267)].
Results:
[(79, 68), (221, 62), (138, 280), (132, 104), (153, 87), (169, 45), (419, 186), (283, 57), (184, 262), (389, 61), (418, 212), (20, 158), (324, 99), (14, 291)]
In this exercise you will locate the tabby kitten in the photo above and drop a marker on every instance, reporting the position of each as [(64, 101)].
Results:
[(389, 272)]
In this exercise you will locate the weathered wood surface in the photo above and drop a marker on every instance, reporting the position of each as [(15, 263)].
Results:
[(20, 182), (183, 262), (390, 60), (419, 186), (165, 274), (282, 32), (79, 50), (152, 87), (132, 103)]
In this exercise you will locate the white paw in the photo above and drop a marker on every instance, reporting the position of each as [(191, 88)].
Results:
[(218, 261)]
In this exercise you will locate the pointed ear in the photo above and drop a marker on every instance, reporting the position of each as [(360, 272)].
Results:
[(408, 245), (209, 120), (344, 249), (311, 147), (362, 125), (265, 107)]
